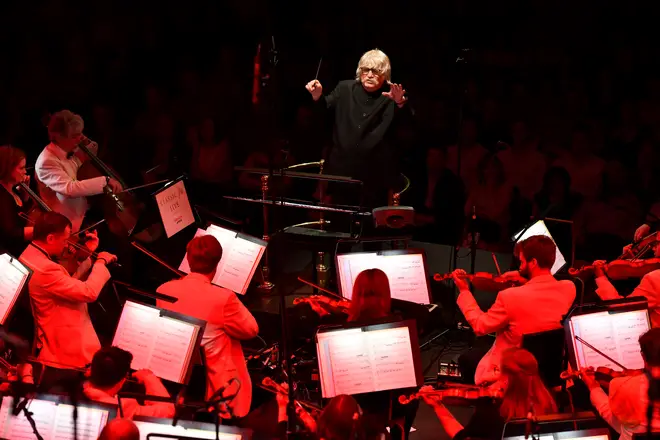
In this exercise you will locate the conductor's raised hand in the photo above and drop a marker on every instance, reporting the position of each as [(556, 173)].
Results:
[(396, 93), (315, 88)]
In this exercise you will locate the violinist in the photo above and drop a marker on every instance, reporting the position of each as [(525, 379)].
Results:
[(523, 392), (57, 167), (64, 331), (625, 409), (536, 306), (15, 234), (649, 287)]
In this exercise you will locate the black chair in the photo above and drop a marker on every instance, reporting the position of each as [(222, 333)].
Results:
[(548, 348), (640, 436)]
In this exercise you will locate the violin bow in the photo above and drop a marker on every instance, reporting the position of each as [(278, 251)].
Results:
[(585, 343)]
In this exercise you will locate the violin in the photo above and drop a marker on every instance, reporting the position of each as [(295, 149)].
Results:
[(603, 375), (39, 204), (329, 305), (458, 395), (487, 281), (620, 269), (269, 384), (639, 248)]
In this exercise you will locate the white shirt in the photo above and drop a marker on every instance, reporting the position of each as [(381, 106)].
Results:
[(228, 322), (59, 187), (625, 408), (65, 334), (649, 288), (537, 306)]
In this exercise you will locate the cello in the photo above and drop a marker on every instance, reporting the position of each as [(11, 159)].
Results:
[(121, 210)]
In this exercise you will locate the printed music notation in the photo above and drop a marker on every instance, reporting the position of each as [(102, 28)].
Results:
[(353, 361), (54, 421), (159, 343), (12, 278), (240, 258), (406, 273), (615, 334)]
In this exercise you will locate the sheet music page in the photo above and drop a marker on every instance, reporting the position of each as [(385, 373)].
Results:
[(238, 265), (614, 334), (12, 277), (351, 365), (392, 358), (407, 277), (627, 328), (147, 428), (18, 428), (172, 348), (137, 332), (90, 423)]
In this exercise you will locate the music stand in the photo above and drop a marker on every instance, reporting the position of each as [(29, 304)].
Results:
[(14, 276), (174, 208), (157, 428)]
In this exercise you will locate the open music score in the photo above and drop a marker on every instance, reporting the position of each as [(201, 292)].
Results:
[(161, 341), (13, 276), (241, 254), (150, 428), (615, 334), (54, 420), (406, 271), (369, 358), (539, 228)]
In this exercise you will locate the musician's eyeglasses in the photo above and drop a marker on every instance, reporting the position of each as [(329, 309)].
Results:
[(366, 70)]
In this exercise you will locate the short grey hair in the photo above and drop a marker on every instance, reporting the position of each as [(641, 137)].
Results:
[(63, 122), (377, 60)]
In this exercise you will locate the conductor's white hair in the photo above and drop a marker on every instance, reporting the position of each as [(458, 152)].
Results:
[(377, 60)]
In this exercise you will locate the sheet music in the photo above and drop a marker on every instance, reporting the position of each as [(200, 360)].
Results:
[(239, 261), (136, 332), (12, 278), (353, 361), (161, 344), (172, 349), (615, 334), (539, 228), (147, 428), (406, 273), (54, 422)]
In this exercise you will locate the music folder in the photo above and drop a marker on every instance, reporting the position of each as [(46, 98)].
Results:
[(241, 254), (405, 269), (614, 328), (14, 276), (174, 207), (160, 340), (355, 359), (152, 428), (53, 416)]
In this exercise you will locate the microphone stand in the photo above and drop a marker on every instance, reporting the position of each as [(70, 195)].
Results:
[(473, 240)]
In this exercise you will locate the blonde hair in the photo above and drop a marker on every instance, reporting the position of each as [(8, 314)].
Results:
[(62, 122), (525, 389), (371, 297), (377, 60)]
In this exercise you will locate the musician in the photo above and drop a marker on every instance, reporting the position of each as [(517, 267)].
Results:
[(364, 110), (110, 368), (536, 306), (120, 429), (523, 392), (649, 288), (228, 321), (57, 167), (65, 337), (14, 232), (626, 407)]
